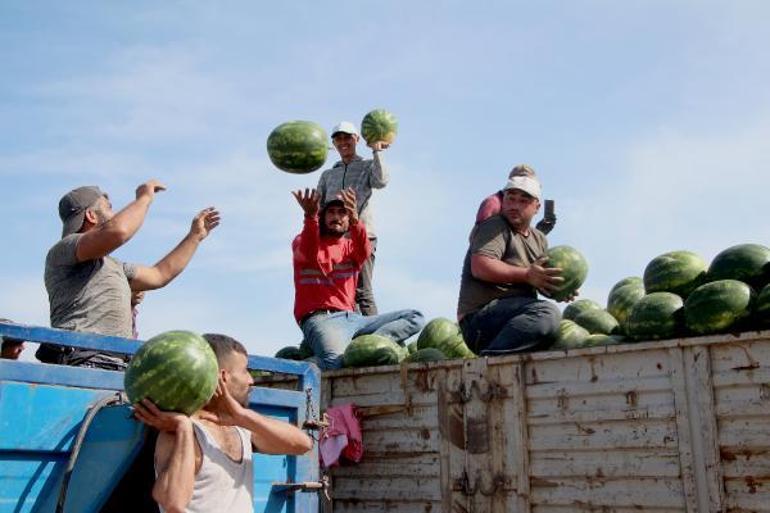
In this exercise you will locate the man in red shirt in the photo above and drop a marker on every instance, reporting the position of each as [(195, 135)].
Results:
[(328, 255)]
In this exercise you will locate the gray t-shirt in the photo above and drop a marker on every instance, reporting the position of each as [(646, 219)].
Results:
[(92, 296), (495, 238)]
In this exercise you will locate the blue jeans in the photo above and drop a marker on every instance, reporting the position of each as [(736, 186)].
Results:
[(511, 325), (328, 334)]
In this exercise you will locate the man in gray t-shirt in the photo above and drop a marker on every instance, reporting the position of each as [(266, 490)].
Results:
[(88, 290), (498, 308)]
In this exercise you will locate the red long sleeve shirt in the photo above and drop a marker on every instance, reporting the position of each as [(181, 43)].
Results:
[(326, 268)]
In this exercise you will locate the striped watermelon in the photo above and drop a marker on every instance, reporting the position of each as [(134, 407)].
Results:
[(298, 147), (600, 339), (176, 370), (678, 272), (444, 335), (379, 125), (762, 307), (598, 321), (291, 353), (577, 307), (372, 350), (571, 335), (657, 315), (718, 306), (574, 270), (623, 296), (429, 354), (749, 263)]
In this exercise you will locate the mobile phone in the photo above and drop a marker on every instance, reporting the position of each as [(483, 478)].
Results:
[(549, 207)]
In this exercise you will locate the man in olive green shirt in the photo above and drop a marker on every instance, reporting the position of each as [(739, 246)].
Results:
[(498, 308)]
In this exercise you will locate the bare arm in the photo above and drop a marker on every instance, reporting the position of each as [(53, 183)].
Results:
[(545, 279), (269, 436), (380, 176), (176, 456), (169, 267), (109, 236)]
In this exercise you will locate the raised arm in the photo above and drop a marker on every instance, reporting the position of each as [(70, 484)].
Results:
[(305, 246), (380, 176), (169, 267), (361, 247), (110, 235)]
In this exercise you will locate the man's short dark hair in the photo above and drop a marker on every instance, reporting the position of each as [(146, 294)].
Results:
[(224, 345)]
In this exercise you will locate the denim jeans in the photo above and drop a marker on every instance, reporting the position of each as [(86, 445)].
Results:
[(511, 325), (328, 334)]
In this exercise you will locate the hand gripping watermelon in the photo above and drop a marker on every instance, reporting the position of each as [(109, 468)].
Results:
[(574, 270), (177, 370), (379, 125), (577, 307), (749, 263), (298, 147), (657, 315), (678, 272), (718, 306)]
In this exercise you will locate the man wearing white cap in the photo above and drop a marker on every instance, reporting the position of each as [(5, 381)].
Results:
[(363, 176), (498, 308), (90, 291)]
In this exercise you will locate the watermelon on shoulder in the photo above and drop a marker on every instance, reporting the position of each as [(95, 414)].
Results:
[(572, 310), (749, 263), (176, 370), (574, 269), (718, 306), (298, 147), (678, 272)]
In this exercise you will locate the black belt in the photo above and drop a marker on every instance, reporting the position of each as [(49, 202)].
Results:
[(327, 311)]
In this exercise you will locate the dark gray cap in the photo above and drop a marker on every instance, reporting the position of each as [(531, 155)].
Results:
[(73, 205)]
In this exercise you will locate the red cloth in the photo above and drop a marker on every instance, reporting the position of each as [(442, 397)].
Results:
[(326, 268), (491, 206), (343, 420)]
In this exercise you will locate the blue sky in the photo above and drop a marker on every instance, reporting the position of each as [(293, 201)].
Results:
[(648, 123)]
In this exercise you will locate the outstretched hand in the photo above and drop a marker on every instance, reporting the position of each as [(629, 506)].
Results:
[(170, 421), (205, 221), (544, 279), (378, 145), (228, 410), (348, 197), (149, 188), (309, 201)]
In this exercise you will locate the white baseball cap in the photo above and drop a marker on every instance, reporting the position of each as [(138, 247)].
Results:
[(528, 184), (346, 127)]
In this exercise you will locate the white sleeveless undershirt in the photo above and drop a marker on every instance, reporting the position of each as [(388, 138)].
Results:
[(221, 484)]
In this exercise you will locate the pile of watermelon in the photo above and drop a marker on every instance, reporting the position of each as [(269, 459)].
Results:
[(678, 295)]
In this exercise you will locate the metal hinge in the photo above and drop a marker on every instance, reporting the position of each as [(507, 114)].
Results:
[(305, 486), (312, 422)]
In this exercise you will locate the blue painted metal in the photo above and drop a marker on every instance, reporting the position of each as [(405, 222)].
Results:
[(42, 407)]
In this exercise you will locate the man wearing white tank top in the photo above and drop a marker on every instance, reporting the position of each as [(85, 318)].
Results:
[(203, 462)]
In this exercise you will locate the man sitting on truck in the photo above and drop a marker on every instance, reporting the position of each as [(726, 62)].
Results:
[(88, 290), (203, 463), (498, 308), (328, 256)]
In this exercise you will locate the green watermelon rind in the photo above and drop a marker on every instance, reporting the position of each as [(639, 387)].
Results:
[(571, 335), (444, 335), (298, 147), (622, 299), (629, 280), (579, 306), (678, 272), (749, 263), (574, 268), (598, 322), (428, 354), (372, 351), (176, 370), (379, 125), (761, 313), (657, 315), (718, 306)]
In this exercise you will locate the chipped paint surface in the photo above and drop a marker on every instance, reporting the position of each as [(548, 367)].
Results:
[(672, 426)]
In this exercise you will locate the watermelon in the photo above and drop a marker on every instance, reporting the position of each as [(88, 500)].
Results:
[(429, 354), (444, 335), (411, 348), (176, 370), (599, 339), (656, 315), (574, 270), (718, 306), (305, 349), (762, 307), (749, 263), (598, 321), (623, 296), (577, 307), (678, 272), (372, 350), (571, 335), (298, 147), (379, 125), (290, 353)]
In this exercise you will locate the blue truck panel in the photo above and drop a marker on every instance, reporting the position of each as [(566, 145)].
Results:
[(42, 408)]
